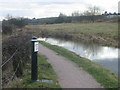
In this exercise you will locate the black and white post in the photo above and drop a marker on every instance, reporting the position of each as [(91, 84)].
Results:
[(34, 67)]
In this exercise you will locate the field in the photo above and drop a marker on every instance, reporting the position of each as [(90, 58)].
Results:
[(104, 33)]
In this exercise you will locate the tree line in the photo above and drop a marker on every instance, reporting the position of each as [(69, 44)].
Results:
[(92, 14)]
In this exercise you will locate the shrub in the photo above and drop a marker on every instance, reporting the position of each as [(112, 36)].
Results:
[(22, 56), (6, 29)]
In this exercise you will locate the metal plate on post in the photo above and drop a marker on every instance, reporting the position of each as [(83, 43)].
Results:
[(36, 47)]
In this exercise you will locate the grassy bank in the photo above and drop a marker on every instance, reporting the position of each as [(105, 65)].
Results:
[(103, 33), (102, 75), (45, 72)]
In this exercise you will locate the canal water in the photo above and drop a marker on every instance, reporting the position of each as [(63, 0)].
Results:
[(106, 56)]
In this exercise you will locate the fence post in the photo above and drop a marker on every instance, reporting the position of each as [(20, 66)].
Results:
[(34, 67)]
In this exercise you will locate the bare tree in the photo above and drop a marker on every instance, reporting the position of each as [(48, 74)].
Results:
[(76, 13), (92, 11), (8, 17), (105, 13), (62, 15)]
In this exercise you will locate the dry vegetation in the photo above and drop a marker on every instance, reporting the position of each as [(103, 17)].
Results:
[(15, 50), (104, 33)]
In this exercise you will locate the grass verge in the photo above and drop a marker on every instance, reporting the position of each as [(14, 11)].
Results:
[(105, 77), (45, 72)]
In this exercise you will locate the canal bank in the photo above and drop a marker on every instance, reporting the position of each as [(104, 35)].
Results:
[(69, 75), (103, 55), (107, 78), (102, 33)]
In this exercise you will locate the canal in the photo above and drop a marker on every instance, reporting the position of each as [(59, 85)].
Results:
[(104, 55)]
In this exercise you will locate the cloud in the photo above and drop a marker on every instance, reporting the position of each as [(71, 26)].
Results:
[(119, 7), (52, 8)]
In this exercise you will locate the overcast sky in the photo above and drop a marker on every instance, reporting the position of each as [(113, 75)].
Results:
[(51, 8)]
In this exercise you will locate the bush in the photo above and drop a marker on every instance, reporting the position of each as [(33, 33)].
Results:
[(7, 25), (22, 56), (6, 29), (18, 22)]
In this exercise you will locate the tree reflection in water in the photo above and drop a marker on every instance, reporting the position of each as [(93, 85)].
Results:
[(106, 56)]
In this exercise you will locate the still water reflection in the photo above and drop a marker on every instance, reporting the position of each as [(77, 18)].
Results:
[(106, 56)]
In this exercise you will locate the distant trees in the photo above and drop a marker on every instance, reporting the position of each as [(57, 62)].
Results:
[(106, 13), (6, 28), (62, 15), (92, 11), (10, 23), (64, 19), (17, 22), (61, 18), (8, 17), (76, 13), (92, 14)]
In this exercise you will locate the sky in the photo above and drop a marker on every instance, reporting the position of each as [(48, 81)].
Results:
[(51, 8)]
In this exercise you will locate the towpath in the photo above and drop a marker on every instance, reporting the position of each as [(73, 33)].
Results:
[(69, 74)]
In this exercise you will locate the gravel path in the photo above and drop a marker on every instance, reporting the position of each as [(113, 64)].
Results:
[(69, 74)]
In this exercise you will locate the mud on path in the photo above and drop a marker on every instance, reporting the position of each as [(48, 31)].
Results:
[(69, 74)]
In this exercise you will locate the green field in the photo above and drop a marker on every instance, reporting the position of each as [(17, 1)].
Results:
[(45, 72), (104, 33), (105, 77)]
